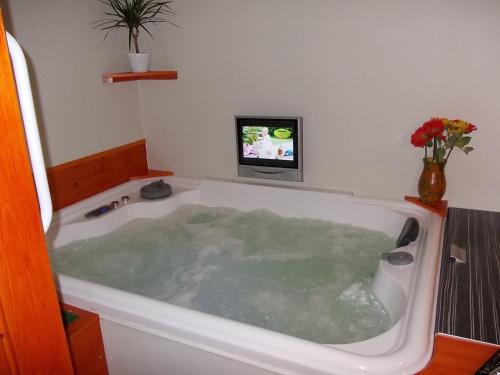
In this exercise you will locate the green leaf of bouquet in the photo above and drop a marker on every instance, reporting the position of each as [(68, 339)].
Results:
[(467, 149), (462, 142), (441, 152), (450, 142)]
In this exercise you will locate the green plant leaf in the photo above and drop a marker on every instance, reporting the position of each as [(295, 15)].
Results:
[(134, 14), (144, 28), (466, 150), (462, 142)]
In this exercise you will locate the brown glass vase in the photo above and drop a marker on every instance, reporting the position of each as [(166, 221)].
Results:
[(432, 182)]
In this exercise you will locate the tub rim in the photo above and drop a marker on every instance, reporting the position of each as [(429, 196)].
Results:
[(411, 354)]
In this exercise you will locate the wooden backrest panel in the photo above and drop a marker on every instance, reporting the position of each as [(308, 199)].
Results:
[(79, 179)]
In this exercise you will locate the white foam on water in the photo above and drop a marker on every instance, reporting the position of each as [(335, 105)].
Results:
[(303, 277)]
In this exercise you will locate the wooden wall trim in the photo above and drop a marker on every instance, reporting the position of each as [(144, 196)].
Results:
[(81, 178), (78, 179)]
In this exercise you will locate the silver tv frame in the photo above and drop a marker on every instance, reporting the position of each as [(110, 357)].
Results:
[(272, 172)]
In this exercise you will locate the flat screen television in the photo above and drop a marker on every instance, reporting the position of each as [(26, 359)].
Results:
[(269, 147)]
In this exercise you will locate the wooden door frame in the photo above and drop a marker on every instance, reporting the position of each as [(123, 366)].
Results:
[(31, 315)]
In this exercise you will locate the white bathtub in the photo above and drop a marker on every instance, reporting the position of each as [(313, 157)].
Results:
[(145, 336)]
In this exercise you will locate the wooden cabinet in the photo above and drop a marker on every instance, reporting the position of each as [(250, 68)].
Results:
[(85, 342)]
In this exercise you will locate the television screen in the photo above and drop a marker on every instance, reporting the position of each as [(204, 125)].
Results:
[(268, 141)]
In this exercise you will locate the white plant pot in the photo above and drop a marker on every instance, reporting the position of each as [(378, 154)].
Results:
[(139, 62)]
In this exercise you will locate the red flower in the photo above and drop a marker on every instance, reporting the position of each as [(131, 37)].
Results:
[(434, 127), (420, 138), (470, 129)]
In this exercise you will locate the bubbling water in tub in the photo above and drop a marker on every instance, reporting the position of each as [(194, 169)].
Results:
[(303, 277)]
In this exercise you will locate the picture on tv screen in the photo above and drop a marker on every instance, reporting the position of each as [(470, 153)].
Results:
[(261, 142)]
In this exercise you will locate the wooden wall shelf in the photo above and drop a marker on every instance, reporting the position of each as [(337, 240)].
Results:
[(129, 76)]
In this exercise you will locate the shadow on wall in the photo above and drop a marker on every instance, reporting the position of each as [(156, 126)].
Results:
[(4, 5)]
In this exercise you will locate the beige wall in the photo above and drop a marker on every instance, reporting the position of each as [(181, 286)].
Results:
[(363, 74), (77, 114)]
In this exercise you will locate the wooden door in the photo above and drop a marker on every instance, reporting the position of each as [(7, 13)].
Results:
[(31, 330)]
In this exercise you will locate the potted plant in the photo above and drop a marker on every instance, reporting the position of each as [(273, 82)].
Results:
[(442, 136), (136, 16)]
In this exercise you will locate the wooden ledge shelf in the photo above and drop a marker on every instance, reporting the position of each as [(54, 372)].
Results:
[(129, 76), (441, 208)]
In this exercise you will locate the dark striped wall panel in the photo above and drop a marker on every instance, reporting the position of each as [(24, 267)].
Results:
[(469, 293)]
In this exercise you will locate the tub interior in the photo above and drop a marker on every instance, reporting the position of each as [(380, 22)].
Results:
[(308, 278)]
